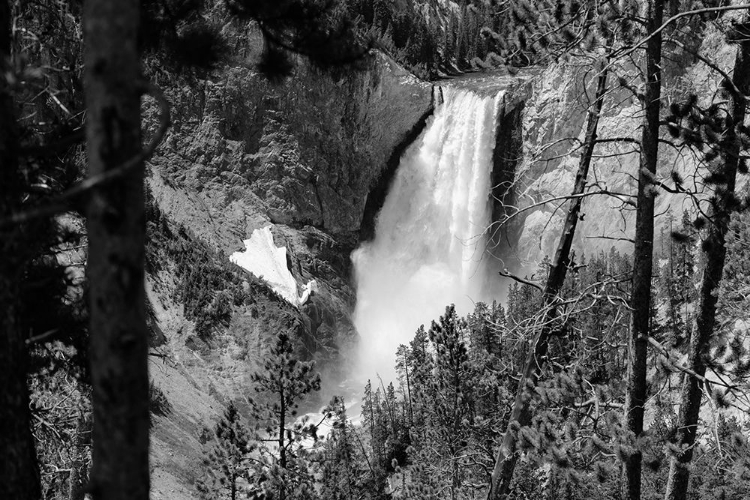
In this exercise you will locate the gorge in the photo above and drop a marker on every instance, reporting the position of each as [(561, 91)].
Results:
[(305, 226)]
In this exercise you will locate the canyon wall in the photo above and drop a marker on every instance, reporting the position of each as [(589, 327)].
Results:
[(554, 124), (299, 157), (312, 158)]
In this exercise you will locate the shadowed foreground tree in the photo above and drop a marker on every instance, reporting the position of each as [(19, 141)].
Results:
[(116, 232), (18, 465), (640, 298)]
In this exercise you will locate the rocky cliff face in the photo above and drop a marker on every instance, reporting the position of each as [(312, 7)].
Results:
[(301, 156), (553, 124)]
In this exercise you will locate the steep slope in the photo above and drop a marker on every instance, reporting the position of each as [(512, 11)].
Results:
[(298, 158)]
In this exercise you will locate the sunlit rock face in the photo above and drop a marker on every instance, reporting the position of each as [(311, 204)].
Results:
[(554, 121), (431, 234)]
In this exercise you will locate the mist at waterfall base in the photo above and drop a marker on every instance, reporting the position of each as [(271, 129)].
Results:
[(430, 235)]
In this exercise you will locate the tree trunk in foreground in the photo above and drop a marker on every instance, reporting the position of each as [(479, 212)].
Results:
[(506, 456), (116, 232), (640, 298), (19, 471), (714, 250)]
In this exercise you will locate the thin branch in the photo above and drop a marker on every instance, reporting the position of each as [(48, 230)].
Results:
[(668, 354), (615, 238), (42, 336), (505, 273), (618, 139)]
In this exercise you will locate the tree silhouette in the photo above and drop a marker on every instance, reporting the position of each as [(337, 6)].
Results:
[(19, 468)]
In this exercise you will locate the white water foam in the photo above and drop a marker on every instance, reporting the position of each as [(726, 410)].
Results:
[(431, 233)]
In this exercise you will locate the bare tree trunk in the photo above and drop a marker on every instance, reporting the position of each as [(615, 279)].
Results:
[(714, 249), (640, 299), (18, 465), (76, 489), (116, 231), (506, 456), (282, 448)]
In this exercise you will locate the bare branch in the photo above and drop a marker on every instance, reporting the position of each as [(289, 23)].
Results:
[(523, 281), (42, 336)]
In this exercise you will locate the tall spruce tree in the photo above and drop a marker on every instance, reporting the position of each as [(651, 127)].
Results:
[(341, 476), (640, 299)]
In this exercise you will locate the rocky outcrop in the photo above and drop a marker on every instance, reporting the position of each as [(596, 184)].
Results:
[(302, 156), (304, 152), (553, 126)]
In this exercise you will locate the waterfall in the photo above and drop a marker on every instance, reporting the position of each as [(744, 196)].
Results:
[(431, 233)]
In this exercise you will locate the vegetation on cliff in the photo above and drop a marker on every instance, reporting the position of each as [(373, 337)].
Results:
[(645, 358)]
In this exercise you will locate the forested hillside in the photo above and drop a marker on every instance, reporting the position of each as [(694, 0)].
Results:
[(145, 142)]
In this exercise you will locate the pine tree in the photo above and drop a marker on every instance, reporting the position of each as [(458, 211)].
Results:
[(372, 423), (228, 460), (341, 476), (453, 392), (280, 388)]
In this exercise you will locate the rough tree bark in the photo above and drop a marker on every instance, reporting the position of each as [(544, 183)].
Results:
[(640, 299), (116, 231), (18, 465), (505, 463), (714, 251)]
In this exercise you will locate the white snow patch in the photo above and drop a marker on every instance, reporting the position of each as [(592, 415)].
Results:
[(268, 262)]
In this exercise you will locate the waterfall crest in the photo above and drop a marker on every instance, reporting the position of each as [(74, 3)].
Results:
[(431, 232)]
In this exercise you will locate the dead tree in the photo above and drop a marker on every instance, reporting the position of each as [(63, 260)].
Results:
[(505, 463)]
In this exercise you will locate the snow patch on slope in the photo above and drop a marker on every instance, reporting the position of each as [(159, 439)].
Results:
[(268, 262)]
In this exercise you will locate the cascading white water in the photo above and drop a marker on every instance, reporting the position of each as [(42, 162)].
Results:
[(431, 233)]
